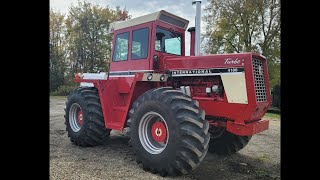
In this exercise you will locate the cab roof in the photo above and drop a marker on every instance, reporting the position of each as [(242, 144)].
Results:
[(160, 15)]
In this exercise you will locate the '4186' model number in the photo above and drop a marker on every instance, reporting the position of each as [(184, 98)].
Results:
[(233, 70)]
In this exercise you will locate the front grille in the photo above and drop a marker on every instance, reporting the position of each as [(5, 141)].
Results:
[(258, 72)]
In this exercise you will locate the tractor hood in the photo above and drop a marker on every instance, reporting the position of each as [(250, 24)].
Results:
[(222, 61)]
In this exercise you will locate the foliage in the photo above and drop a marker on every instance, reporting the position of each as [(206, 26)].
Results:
[(57, 50), (88, 37), (80, 42), (63, 90), (236, 26), (276, 96)]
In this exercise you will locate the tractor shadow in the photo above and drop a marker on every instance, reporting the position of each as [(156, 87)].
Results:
[(116, 138), (236, 166)]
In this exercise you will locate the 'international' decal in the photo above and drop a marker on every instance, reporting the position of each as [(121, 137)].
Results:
[(206, 72)]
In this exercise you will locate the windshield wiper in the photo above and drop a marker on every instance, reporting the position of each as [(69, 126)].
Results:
[(176, 35)]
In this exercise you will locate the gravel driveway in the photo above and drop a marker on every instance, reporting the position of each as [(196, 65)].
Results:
[(260, 159)]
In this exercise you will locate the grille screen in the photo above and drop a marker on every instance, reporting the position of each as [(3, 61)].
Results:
[(258, 71)]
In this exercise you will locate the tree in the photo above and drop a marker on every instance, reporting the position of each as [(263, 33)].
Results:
[(236, 26), (57, 50), (89, 43)]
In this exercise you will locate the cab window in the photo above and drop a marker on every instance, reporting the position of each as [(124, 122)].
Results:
[(139, 48), (168, 41), (121, 47)]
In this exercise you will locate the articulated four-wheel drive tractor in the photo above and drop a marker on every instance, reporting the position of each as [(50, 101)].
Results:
[(173, 107)]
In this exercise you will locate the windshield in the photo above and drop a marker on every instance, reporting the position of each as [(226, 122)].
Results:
[(168, 41)]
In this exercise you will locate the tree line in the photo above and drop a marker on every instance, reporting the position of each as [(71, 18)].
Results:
[(236, 26), (80, 42)]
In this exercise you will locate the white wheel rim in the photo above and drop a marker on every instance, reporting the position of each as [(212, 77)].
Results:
[(73, 117), (146, 139)]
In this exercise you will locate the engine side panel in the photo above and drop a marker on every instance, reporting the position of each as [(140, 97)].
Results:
[(235, 95), (243, 95)]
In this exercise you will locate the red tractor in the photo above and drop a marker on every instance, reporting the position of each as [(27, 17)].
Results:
[(173, 107)]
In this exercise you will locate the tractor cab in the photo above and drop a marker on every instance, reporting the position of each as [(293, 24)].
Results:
[(139, 43)]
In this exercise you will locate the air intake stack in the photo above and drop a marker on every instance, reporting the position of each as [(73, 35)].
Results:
[(198, 30)]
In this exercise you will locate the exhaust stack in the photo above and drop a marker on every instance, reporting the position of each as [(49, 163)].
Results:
[(198, 22), (192, 34)]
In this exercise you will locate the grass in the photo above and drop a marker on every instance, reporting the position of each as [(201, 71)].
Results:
[(264, 158), (261, 174), (274, 110), (272, 116)]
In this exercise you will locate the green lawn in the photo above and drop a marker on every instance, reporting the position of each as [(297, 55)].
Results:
[(271, 116)]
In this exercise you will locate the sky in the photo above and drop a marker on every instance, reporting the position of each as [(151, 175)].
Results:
[(136, 8)]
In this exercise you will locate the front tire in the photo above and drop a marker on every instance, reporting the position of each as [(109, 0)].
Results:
[(168, 132), (84, 118)]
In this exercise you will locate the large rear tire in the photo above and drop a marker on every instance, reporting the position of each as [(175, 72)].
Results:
[(84, 118), (168, 132), (225, 143)]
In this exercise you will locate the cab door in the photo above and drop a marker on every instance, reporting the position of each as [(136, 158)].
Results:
[(132, 49)]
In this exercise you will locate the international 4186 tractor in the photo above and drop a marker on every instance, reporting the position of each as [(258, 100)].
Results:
[(173, 107)]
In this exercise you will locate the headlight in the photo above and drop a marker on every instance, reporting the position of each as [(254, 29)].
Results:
[(149, 77), (162, 78), (215, 88)]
